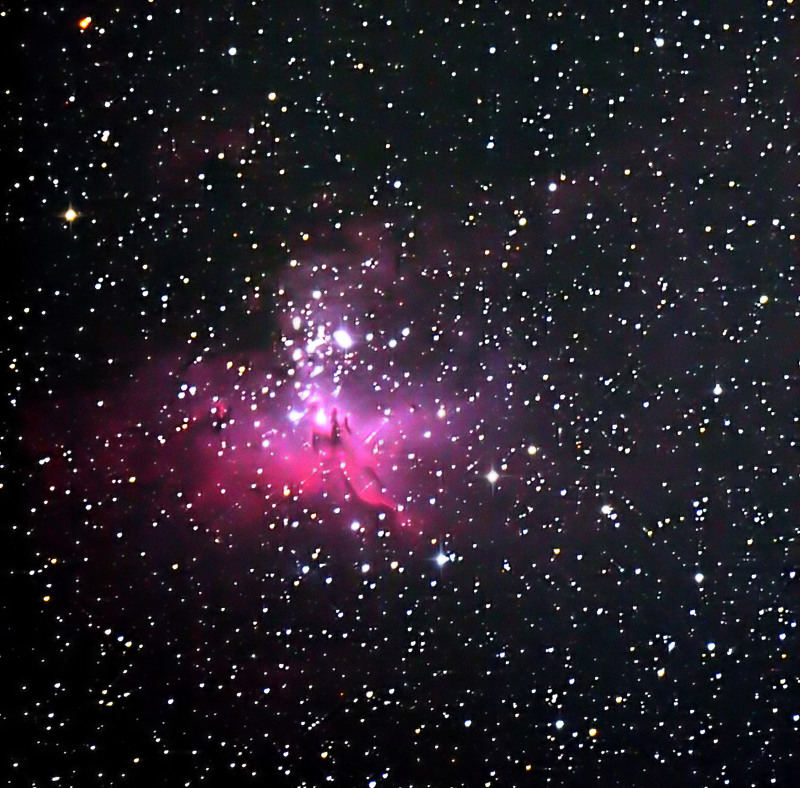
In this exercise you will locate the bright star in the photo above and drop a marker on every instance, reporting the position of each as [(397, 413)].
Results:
[(343, 339)]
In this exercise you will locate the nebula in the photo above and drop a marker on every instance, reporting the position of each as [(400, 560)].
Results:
[(371, 402)]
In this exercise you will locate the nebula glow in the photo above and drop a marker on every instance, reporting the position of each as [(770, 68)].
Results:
[(370, 403)]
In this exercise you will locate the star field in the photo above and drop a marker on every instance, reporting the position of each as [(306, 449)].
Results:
[(400, 394)]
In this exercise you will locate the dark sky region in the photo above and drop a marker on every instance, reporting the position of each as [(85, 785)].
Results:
[(400, 394)]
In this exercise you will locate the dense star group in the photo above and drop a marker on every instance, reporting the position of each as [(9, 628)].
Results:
[(401, 397)]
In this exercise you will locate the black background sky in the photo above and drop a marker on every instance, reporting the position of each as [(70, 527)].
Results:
[(582, 220)]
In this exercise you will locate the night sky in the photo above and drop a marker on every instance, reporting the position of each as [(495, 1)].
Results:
[(400, 394)]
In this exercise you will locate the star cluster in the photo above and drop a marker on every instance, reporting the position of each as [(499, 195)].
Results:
[(401, 396)]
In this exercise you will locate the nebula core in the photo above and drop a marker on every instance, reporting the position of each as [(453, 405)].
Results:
[(370, 404)]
